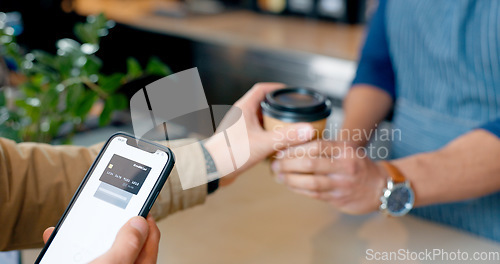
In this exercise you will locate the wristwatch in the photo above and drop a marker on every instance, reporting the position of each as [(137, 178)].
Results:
[(398, 197)]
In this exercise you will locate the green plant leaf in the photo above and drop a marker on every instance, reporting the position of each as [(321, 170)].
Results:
[(92, 66), (92, 30), (73, 94), (64, 65), (31, 112), (157, 67), (55, 126), (40, 69), (50, 99), (7, 131), (86, 33), (38, 80), (113, 103), (100, 21), (67, 45), (120, 101), (134, 69), (31, 89), (67, 141), (3, 101), (86, 103), (44, 57), (107, 111), (12, 51), (110, 83)]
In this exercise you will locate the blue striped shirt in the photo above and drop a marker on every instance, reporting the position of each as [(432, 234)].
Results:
[(440, 62), (376, 67)]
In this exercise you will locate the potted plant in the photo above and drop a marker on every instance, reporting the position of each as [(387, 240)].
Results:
[(60, 90)]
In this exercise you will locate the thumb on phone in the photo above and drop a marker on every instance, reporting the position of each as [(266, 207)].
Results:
[(128, 243)]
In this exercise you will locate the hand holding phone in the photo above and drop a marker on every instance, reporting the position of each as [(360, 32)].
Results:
[(123, 182), (136, 242)]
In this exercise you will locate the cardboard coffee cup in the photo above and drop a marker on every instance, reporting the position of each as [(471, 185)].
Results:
[(283, 107)]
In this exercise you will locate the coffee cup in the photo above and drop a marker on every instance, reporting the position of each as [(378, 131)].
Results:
[(280, 108)]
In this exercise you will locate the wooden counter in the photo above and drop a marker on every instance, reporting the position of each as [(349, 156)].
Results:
[(237, 28), (257, 221)]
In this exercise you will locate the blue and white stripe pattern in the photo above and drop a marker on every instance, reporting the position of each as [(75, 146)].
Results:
[(440, 61), (446, 55), (446, 58)]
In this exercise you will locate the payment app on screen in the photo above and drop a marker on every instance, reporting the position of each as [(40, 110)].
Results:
[(116, 190)]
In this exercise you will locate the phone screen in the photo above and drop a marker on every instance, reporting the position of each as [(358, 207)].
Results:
[(116, 190)]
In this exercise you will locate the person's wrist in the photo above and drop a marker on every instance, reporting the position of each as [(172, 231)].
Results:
[(221, 157), (381, 178), (398, 197), (216, 146), (211, 170)]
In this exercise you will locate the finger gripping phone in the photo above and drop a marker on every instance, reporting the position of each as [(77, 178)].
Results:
[(123, 182)]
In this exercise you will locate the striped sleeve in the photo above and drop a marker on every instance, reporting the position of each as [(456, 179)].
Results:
[(375, 66), (493, 127)]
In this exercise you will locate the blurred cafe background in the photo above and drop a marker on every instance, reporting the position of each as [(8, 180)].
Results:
[(234, 44)]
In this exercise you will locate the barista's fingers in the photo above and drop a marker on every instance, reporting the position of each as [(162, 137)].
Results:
[(283, 137), (315, 148), (305, 164), (336, 197), (308, 182), (307, 193)]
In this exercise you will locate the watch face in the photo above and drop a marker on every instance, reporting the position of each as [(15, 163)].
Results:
[(400, 201)]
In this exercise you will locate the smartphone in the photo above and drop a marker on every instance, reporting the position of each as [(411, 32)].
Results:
[(123, 182)]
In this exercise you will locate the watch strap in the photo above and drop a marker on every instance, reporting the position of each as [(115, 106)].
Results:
[(394, 172)]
